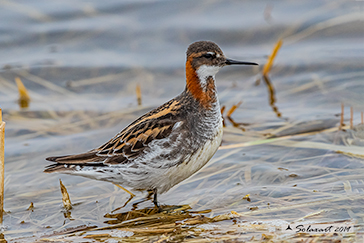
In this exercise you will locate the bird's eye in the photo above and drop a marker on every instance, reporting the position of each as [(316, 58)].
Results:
[(208, 55)]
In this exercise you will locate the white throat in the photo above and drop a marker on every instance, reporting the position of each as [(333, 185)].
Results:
[(205, 71)]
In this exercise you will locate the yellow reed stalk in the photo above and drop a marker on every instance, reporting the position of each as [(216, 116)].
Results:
[(126, 190), (341, 117), (139, 94), (65, 197), (232, 109), (270, 60), (24, 97), (2, 162)]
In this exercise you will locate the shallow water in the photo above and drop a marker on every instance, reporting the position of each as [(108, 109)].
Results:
[(81, 62)]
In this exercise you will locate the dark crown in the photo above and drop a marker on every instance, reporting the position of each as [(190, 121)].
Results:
[(203, 46)]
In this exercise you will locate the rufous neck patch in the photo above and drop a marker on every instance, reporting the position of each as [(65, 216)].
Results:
[(205, 95)]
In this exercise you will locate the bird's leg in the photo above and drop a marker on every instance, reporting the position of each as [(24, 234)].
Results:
[(155, 201)]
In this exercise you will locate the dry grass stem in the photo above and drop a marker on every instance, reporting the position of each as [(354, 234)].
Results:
[(2, 163), (139, 94), (24, 97), (230, 112), (45, 83), (305, 144), (97, 80), (270, 60), (351, 117), (312, 215), (340, 20), (65, 197), (126, 190), (360, 156), (233, 108), (341, 117)]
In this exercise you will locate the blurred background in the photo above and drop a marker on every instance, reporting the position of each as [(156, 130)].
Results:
[(81, 62)]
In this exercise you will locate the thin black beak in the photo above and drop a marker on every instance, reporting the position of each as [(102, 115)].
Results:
[(233, 62)]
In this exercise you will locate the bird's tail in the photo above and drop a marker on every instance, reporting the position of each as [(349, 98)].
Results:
[(65, 163)]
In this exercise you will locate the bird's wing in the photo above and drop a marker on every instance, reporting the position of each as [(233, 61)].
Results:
[(130, 142)]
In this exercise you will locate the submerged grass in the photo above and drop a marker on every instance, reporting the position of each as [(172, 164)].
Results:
[(268, 172), (235, 197), (177, 223)]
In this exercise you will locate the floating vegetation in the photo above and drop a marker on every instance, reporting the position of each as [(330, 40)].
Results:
[(176, 223)]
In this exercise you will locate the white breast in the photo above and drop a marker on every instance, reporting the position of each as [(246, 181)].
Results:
[(193, 163)]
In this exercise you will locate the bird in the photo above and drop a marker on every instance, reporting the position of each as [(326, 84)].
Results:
[(168, 144)]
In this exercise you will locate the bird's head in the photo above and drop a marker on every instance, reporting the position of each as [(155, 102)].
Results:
[(204, 60)]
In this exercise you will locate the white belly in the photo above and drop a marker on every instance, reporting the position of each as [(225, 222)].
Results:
[(191, 165)]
